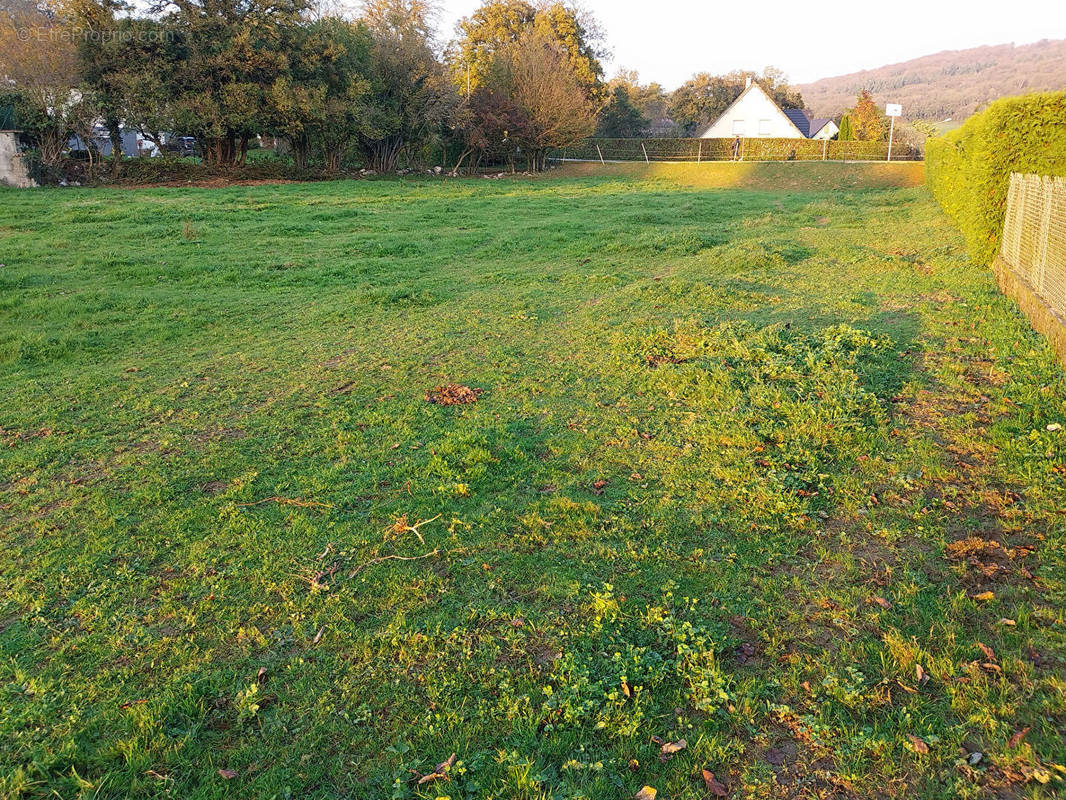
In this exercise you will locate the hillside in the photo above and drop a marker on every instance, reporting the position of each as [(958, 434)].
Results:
[(954, 83)]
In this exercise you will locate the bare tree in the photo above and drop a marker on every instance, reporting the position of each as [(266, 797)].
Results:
[(545, 87)]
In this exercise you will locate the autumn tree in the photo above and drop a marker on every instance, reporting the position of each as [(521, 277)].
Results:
[(544, 86), (867, 121), (39, 59), (497, 25)]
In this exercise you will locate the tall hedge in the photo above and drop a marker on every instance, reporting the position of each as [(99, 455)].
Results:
[(968, 169)]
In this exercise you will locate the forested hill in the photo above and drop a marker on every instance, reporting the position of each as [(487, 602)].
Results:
[(954, 83)]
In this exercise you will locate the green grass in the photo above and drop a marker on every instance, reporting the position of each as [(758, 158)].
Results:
[(742, 462)]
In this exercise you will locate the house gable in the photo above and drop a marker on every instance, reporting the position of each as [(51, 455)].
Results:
[(753, 115)]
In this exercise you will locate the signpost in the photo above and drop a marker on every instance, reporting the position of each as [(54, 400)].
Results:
[(893, 110)]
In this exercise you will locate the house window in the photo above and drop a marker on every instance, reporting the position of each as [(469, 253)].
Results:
[(738, 127), (764, 127)]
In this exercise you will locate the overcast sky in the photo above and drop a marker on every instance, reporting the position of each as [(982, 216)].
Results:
[(669, 40)]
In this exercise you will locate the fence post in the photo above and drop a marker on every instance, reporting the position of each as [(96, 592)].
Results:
[(699, 155), (825, 148), (600, 154), (645, 149)]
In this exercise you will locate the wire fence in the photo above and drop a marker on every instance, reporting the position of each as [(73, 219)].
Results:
[(754, 149), (1034, 235)]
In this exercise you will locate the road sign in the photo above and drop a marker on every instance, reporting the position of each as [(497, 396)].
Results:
[(893, 110)]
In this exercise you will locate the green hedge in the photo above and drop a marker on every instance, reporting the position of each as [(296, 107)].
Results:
[(968, 169), (752, 149)]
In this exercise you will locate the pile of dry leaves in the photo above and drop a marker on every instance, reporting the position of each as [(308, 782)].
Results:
[(453, 394)]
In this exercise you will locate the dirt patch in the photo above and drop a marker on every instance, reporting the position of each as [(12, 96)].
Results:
[(453, 394)]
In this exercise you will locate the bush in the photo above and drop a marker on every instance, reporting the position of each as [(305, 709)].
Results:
[(968, 170)]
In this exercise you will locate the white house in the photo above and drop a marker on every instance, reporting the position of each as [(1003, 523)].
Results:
[(755, 115)]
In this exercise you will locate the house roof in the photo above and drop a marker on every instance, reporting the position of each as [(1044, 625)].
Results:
[(753, 86), (808, 125)]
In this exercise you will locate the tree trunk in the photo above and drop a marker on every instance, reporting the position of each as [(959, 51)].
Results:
[(115, 134), (301, 148), (384, 154), (462, 158)]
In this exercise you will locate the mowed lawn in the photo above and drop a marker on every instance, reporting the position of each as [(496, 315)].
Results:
[(775, 477)]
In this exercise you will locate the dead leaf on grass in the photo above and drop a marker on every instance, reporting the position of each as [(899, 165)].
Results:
[(667, 749), (261, 675), (881, 602), (984, 648), (1016, 739), (646, 793), (228, 774), (713, 785), (984, 597), (917, 744), (453, 394), (923, 676), (318, 636)]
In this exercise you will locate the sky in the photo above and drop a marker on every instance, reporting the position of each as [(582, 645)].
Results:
[(669, 40)]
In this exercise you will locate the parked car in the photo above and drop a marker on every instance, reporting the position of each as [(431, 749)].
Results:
[(181, 146)]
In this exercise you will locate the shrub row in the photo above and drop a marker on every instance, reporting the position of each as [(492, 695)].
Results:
[(968, 169), (144, 170), (753, 149)]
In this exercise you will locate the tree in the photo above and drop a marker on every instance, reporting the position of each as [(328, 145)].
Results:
[(650, 100), (620, 118), (321, 102), (867, 122), (409, 95), (499, 24), (704, 97), (234, 52), (545, 87), (96, 21), (491, 124), (700, 99), (39, 59), (846, 134)]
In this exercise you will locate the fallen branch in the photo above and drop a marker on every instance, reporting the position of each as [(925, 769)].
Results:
[(316, 579), (374, 561), (401, 526), (288, 501)]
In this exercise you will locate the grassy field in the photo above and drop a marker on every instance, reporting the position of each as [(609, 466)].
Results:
[(775, 475)]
